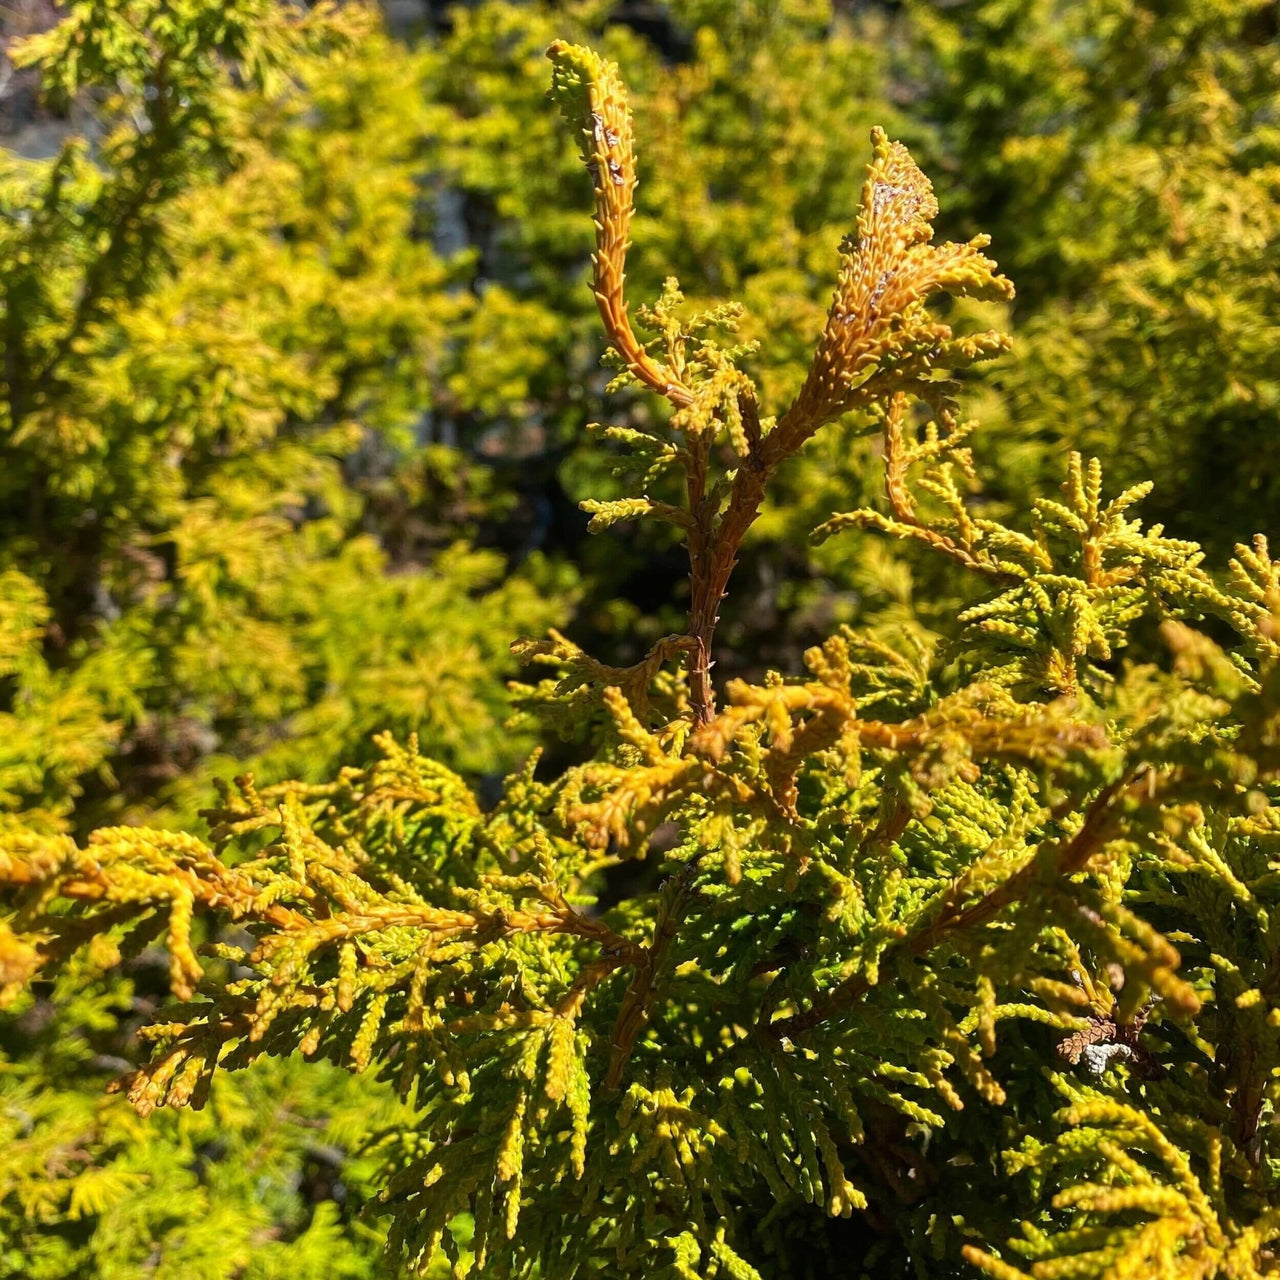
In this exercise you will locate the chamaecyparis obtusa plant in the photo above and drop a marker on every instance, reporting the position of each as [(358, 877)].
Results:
[(961, 960), (221, 316)]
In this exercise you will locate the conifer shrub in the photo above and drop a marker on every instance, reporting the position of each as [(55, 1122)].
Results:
[(955, 960), (1124, 155), (223, 316), (224, 543)]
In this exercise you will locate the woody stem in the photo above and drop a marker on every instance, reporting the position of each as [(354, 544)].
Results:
[(713, 551), (702, 614)]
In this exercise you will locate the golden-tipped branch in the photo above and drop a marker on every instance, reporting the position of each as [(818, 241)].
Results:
[(594, 100), (879, 337), (879, 343)]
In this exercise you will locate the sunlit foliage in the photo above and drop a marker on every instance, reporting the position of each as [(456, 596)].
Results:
[(962, 955)]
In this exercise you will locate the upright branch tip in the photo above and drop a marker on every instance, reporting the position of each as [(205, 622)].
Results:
[(593, 99)]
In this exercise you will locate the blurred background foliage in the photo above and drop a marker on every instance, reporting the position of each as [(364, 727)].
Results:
[(298, 357)]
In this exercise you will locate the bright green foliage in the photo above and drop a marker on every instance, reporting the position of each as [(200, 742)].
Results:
[(221, 323), (1120, 154), (1125, 156), (88, 1189), (221, 545), (954, 945)]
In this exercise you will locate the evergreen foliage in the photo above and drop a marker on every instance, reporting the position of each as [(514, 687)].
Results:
[(963, 956), (1125, 158), (223, 542), (223, 316), (252, 1186), (1122, 155), (745, 192)]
